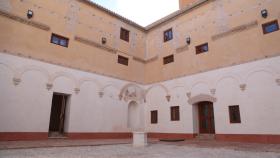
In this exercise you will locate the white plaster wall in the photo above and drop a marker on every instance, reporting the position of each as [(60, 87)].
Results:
[(259, 103), (26, 107)]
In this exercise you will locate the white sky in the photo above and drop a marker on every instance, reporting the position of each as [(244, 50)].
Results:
[(143, 12)]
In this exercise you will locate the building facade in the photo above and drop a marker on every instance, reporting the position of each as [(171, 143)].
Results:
[(74, 69)]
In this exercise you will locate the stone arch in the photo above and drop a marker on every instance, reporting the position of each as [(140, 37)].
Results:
[(64, 74), (257, 70), (236, 78), (84, 80), (157, 85), (111, 85), (200, 82), (29, 68), (11, 68), (201, 98)]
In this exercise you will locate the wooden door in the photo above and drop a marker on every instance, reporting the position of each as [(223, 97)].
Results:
[(206, 118)]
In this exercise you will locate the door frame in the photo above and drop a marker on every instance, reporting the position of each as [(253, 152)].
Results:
[(210, 117), (62, 125)]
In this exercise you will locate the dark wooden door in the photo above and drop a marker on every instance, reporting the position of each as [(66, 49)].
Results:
[(206, 117), (58, 113)]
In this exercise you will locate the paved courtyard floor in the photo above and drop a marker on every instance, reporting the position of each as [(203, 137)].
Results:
[(123, 149)]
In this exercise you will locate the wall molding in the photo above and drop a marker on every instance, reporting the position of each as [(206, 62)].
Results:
[(234, 30), (25, 20), (95, 44)]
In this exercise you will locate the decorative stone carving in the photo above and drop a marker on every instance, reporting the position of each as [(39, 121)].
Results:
[(213, 91), (77, 90), (101, 94), (16, 81), (243, 87), (278, 81), (200, 98), (189, 94), (132, 92), (168, 97), (49, 86)]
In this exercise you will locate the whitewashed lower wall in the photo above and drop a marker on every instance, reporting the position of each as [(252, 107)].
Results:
[(254, 86), (26, 107), (27, 86)]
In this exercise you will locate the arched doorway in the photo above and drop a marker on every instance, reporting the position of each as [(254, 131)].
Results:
[(206, 123), (134, 116)]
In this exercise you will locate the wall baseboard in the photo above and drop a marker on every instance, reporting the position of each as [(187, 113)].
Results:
[(246, 138), (249, 138), (16, 136)]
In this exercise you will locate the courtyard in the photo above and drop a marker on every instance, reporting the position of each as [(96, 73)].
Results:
[(124, 149)]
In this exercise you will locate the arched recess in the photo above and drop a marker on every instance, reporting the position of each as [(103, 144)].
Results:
[(28, 68), (84, 80), (135, 116), (200, 98), (154, 86)]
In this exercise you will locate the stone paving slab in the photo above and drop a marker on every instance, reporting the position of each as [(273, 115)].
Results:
[(253, 147), (127, 151), (59, 143)]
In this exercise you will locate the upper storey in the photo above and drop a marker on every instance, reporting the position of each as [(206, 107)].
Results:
[(202, 36), (95, 37)]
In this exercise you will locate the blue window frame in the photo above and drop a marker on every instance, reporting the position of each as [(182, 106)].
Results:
[(270, 27), (59, 40)]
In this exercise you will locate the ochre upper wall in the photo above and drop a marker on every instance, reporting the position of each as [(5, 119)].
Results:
[(72, 18), (232, 29), (184, 3)]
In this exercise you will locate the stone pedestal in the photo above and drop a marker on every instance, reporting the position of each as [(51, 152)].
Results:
[(140, 139)]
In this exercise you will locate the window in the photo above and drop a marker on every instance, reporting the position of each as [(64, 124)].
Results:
[(123, 60), (270, 27), (234, 114), (202, 48), (154, 117), (168, 59), (124, 34), (175, 113), (59, 40), (167, 35)]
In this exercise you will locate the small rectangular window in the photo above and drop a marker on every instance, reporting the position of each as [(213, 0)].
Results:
[(168, 59), (154, 117), (202, 48), (270, 27), (59, 40), (175, 113), (124, 35), (123, 60), (167, 35), (234, 114)]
